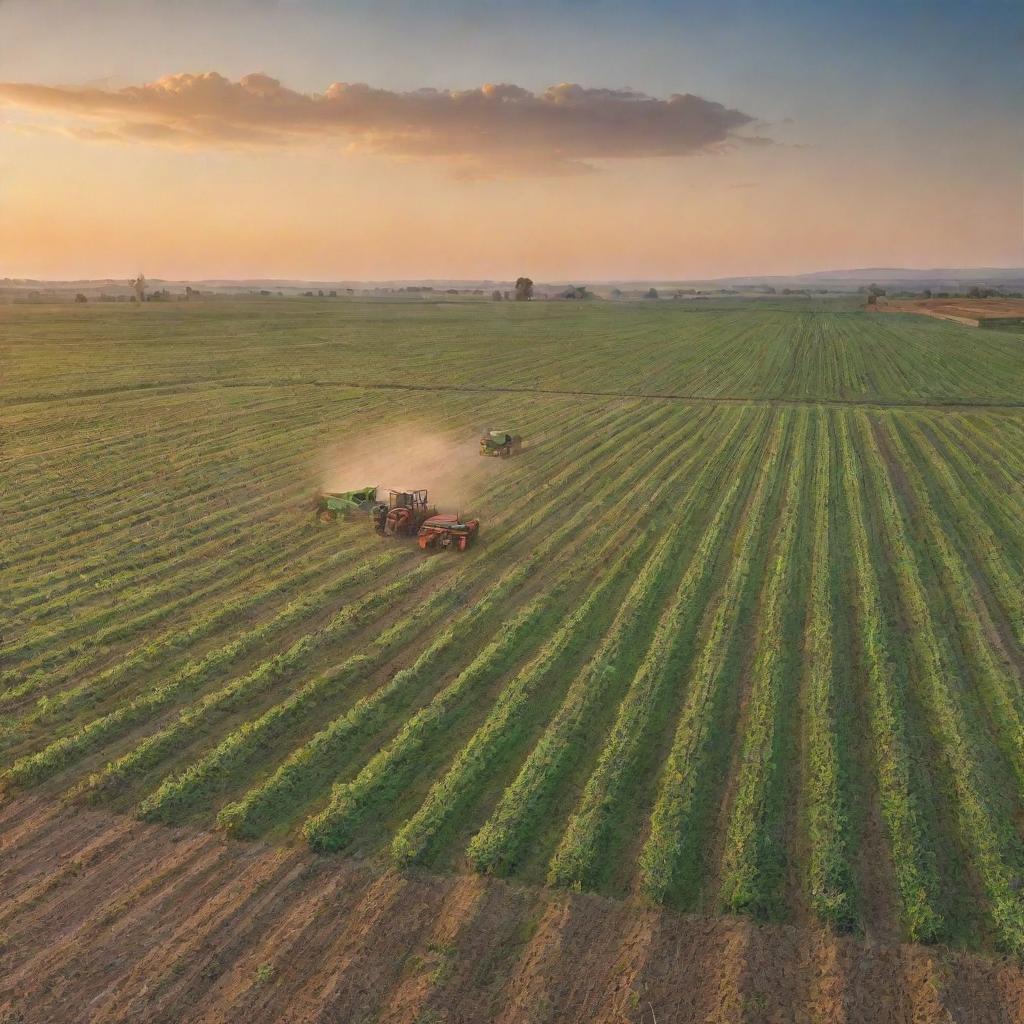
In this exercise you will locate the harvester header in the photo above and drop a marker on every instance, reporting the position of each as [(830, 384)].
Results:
[(331, 504), (446, 532)]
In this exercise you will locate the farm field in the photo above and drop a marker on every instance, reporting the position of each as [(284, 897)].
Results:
[(743, 633)]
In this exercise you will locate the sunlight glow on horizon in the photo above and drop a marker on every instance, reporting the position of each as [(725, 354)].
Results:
[(881, 172)]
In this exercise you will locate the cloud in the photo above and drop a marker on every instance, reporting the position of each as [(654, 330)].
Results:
[(492, 130)]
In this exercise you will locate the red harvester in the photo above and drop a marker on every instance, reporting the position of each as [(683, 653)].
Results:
[(407, 513)]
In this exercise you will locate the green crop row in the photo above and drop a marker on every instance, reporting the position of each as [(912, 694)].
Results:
[(523, 804), (659, 859), (174, 793), (253, 737), (752, 854), (910, 842), (33, 768), (279, 668), (295, 612), (580, 854), (181, 511), (1002, 693), (305, 768), (473, 761), (77, 656), (986, 837), (989, 542), (140, 502), (333, 828), (721, 654), (192, 677), (819, 349), (830, 882)]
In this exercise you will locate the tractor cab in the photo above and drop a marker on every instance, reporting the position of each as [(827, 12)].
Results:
[(407, 499), (500, 444), (403, 513)]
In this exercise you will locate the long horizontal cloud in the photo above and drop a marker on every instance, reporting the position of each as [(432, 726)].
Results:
[(495, 129)]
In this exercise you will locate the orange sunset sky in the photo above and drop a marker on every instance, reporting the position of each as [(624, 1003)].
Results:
[(453, 140)]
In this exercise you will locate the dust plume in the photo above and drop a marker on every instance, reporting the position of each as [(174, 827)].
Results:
[(407, 458)]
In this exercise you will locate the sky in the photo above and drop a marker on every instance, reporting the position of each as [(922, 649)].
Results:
[(579, 140)]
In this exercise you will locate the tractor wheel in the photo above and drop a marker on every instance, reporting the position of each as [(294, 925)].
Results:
[(463, 543)]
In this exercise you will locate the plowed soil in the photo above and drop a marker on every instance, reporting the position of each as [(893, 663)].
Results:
[(105, 919), (962, 310)]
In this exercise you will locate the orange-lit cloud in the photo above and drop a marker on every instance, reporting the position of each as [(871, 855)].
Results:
[(496, 130)]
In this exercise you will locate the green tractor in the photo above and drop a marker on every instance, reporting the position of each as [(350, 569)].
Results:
[(500, 444), (331, 504)]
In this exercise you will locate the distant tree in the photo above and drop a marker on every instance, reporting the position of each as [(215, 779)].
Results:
[(524, 289), (80, 298), (577, 292), (770, 290), (333, 293), (138, 285), (974, 292), (876, 290), (320, 292), (308, 295), (496, 296), (872, 299), (616, 293), (926, 294), (651, 293)]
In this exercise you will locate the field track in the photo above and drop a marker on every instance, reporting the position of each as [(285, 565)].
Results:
[(555, 392), (743, 637)]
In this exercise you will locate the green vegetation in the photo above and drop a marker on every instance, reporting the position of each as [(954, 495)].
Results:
[(743, 631)]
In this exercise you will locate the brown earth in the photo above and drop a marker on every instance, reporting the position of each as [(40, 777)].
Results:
[(973, 312), (104, 919)]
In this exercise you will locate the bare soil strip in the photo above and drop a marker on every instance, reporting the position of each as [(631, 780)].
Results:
[(112, 920), (994, 312)]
